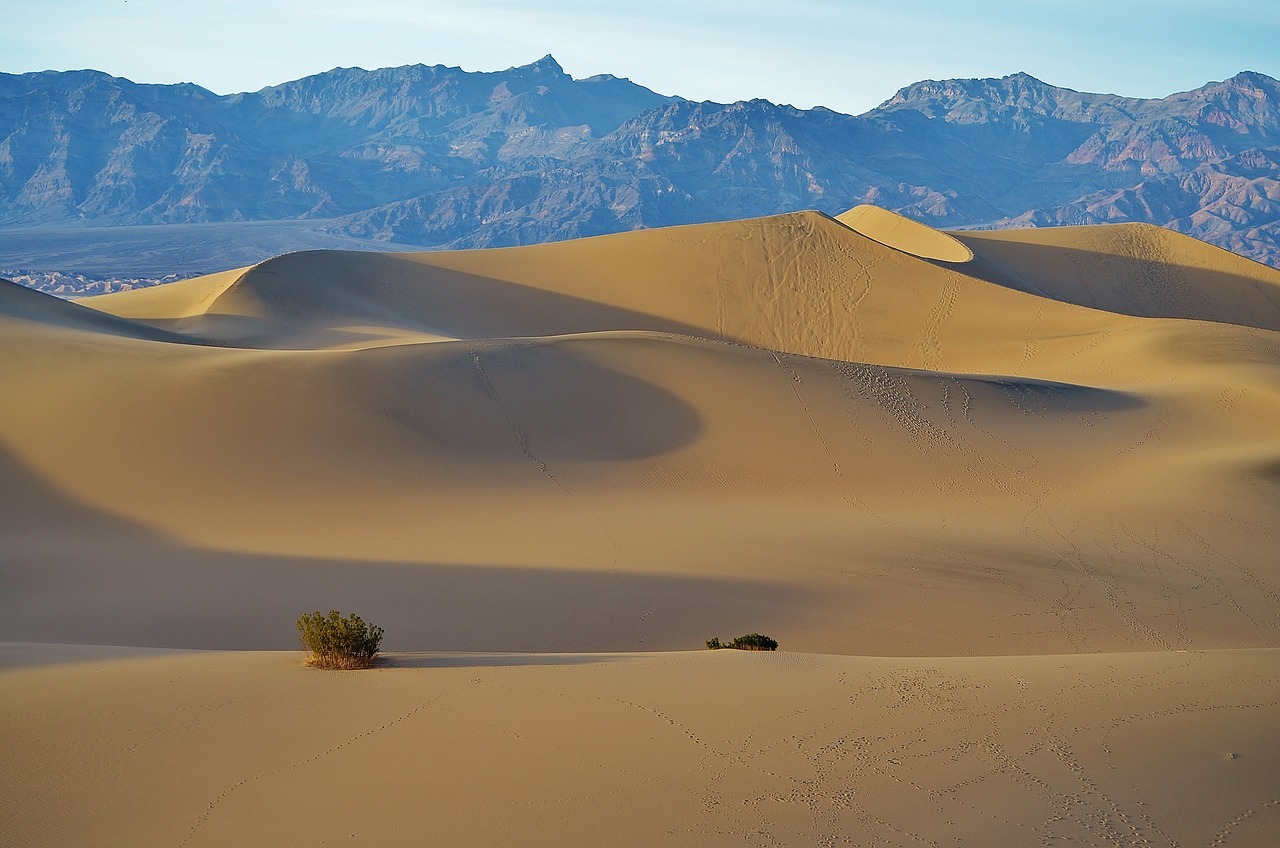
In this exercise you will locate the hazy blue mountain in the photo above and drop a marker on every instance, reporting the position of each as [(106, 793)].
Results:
[(438, 156)]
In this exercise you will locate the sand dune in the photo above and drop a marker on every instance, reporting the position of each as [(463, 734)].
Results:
[(1168, 275), (904, 234), (864, 437), (23, 306)]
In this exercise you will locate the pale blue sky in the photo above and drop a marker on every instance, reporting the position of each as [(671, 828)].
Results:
[(847, 55)]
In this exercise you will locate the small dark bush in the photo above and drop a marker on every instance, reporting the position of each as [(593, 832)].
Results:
[(749, 642), (335, 642), (754, 642)]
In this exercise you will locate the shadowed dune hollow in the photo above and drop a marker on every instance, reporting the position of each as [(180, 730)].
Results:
[(1033, 472)]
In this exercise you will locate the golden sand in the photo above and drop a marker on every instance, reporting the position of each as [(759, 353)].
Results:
[(901, 233), (1037, 481)]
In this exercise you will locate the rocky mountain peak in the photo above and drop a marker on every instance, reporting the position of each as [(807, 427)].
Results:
[(547, 66), (1247, 103), (1252, 81), (968, 100)]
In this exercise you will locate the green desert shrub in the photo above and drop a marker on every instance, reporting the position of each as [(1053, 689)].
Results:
[(335, 642), (749, 642), (754, 642)]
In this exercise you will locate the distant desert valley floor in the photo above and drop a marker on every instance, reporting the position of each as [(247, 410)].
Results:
[(1008, 500)]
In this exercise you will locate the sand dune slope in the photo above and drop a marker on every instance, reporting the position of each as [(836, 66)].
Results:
[(915, 459), (1168, 274), (22, 306), (1051, 506), (864, 446), (905, 235)]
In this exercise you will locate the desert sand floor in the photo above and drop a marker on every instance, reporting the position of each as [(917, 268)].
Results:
[(723, 748), (1008, 501)]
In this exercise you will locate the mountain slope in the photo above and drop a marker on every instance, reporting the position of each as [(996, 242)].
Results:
[(437, 156), (85, 145)]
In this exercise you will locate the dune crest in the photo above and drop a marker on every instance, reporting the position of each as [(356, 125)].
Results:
[(904, 234)]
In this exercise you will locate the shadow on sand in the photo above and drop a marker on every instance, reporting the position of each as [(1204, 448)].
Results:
[(427, 659)]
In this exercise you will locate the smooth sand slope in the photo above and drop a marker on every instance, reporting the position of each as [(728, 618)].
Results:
[(861, 436)]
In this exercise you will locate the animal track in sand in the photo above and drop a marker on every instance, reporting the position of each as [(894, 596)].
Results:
[(222, 796)]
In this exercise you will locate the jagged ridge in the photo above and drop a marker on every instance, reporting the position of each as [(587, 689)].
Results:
[(436, 156)]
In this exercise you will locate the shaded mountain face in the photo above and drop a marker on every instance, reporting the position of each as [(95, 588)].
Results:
[(443, 157), (84, 145)]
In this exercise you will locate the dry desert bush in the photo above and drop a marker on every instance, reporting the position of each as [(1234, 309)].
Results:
[(748, 642), (335, 642)]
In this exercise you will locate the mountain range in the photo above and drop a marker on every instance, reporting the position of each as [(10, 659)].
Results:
[(440, 157)]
